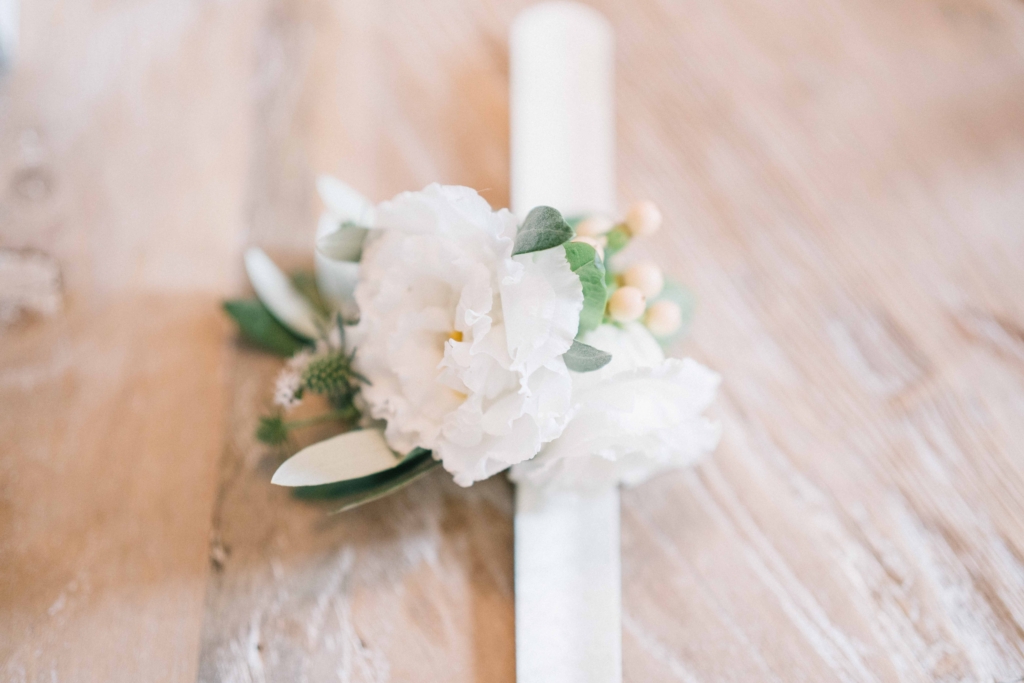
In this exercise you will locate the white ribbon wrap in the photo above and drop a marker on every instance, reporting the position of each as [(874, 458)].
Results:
[(567, 557)]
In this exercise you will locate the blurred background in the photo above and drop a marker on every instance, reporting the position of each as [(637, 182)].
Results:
[(843, 186)]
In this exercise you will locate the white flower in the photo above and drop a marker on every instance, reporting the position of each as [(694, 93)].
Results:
[(461, 342), (635, 417)]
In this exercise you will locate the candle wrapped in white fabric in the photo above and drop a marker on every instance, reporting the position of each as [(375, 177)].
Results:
[(567, 572), (638, 415)]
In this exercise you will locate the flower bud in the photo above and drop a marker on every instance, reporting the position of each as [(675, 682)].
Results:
[(663, 318), (592, 226), (646, 277), (643, 219), (626, 304)]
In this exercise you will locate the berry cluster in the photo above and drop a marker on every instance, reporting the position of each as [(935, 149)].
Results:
[(637, 293)]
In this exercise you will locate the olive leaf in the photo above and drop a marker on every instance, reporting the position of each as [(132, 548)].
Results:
[(544, 228), (355, 492), (352, 455), (587, 265), (261, 328), (279, 295), (585, 358)]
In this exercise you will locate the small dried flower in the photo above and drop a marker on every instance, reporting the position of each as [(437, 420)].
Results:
[(288, 387)]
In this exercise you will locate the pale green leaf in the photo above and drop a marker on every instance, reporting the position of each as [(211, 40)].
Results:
[(544, 228), (351, 455), (584, 358), (587, 265)]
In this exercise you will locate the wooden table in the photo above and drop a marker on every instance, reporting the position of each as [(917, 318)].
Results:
[(844, 187)]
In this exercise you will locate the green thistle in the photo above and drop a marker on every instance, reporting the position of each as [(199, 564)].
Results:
[(334, 377), (328, 375)]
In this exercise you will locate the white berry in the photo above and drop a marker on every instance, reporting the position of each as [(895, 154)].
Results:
[(593, 226), (626, 304), (646, 277), (663, 318), (643, 218)]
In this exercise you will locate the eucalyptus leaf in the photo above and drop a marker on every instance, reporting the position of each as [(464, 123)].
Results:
[(587, 265), (261, 328), (355, 492), (584, 358), (352, 455), (544, 228)]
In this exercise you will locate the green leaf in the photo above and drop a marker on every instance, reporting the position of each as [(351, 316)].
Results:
[(544, 228), (584, 358), (272, 430), (356, 492), (618, 238), (305, 282), (587, 265), (261, 328)]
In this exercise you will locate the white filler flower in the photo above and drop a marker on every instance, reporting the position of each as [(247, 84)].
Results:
[(461, 342), (635, 417)]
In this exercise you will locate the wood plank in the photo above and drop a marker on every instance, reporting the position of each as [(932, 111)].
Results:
[(111, 429), (842, 187)]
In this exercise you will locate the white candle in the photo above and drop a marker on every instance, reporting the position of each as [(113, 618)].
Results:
[(8, 33), (567, 566)]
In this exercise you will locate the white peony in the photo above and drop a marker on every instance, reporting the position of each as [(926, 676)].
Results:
[(462, 342), (635, 417)]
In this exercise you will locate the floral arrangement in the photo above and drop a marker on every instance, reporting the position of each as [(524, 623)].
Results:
[(441, 331)]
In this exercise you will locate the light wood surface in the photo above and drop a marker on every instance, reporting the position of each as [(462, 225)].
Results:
[(844, 187)]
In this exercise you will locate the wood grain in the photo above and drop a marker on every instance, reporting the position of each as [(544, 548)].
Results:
[(843, 184)]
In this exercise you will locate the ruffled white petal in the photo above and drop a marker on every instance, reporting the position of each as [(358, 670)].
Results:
[(461, 342), (637, 416)]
